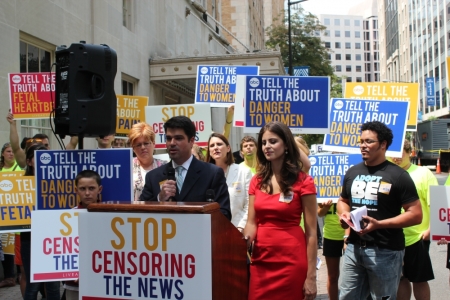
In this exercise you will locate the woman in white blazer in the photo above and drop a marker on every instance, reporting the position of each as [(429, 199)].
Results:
[(238, 177)]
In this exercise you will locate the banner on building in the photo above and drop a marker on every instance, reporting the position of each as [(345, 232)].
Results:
[(31, 95), (393, 91), (431, 93), (56, 247), (216, 85), (328, 171), (347, 116), (145, 255), (56, 171), (200, 115), (302, 103), (130, 110)]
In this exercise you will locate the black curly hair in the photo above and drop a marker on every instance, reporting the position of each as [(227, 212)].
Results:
[(384, 133)]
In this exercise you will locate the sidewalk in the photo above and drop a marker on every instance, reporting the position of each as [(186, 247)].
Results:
[(322, 278)]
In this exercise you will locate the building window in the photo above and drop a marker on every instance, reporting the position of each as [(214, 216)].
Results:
[(358, 79), (357, 34), (337, 33), (357, 56), (329, 56), (337, 22), (367, 56), (338, 57), (357, 23), (326, 21), (348, 68), (327, 45), (347, 33), (366, 46), (326, 33), (127, 88), (348, 57), (338, 68), (375, 24), (358, 68), (349, 79), (357, 45), (337, 45), (375, 56), (366, 25), (35, 56), (127, 14), (367, 67), (347, 22), (366, 36), (377, 76), (376, 66), (368, 78), (348, 45)]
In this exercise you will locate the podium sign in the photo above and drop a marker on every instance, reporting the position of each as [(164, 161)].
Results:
[(145, 255)]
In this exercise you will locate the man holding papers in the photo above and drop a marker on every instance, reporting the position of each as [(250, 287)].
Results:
[(373, 259)]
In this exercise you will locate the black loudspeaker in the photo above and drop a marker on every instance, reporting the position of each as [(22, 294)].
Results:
[(86, 103)]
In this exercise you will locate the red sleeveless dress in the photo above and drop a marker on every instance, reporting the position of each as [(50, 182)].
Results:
[(279, 258)]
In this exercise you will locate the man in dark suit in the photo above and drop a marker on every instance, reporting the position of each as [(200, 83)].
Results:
[(193, 177)]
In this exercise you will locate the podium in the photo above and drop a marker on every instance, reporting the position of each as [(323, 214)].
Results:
[(163, 250)]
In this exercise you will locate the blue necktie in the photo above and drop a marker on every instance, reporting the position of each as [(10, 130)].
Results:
[(179, 170)]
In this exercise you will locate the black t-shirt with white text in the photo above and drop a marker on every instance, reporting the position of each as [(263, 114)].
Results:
[(384, 189)]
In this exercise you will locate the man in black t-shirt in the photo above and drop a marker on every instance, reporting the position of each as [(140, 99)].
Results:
[(373, 258)]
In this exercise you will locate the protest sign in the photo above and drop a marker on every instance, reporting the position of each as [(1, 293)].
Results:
[(17, 200), (56, 247), (8, 240), (56, 171), (130, 110), (393, 91), (200, 115), (440, 213), (328, 172), (302, 103), (216, 85), (145, 255), (31, 95), (347, 116)]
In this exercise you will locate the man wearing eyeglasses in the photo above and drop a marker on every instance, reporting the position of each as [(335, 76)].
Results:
[(373, 259)]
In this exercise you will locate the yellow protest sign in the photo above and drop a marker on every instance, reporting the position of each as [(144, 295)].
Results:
[(130, 110), (394, 91), (8, 242), (17, 200)]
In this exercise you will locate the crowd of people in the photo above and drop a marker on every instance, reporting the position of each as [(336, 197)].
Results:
[(265, 191)]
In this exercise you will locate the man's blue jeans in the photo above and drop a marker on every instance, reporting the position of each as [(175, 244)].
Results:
[(370, 270)]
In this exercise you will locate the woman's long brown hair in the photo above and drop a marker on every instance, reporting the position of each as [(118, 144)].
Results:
[(291, 162)]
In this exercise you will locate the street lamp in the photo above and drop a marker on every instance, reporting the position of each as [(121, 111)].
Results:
[(291, 71)]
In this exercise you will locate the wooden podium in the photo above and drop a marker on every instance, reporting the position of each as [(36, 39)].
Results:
[(228, 248)]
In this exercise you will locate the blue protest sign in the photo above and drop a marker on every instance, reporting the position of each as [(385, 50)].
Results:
[(216, 85), (431, 94), (56, 171), (347, 116), (299, 102), (328, 173)]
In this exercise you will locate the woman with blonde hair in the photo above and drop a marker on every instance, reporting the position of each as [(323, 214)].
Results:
[(198, 153), (142, 139)]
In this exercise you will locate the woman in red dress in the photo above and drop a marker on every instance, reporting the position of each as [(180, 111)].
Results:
[(284, 257)]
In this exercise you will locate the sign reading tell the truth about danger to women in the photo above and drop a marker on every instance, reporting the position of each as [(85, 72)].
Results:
[(299, 102), (347, 116), (216, 85), (56, 171)]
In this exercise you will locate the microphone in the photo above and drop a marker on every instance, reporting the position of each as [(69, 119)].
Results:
[(171, 173), (210, 195), (171, 176)]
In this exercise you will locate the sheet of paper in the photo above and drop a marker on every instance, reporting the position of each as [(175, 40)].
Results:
[(357, 215)]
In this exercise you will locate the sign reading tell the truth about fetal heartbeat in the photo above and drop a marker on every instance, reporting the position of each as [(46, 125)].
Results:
[(31, 94)]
